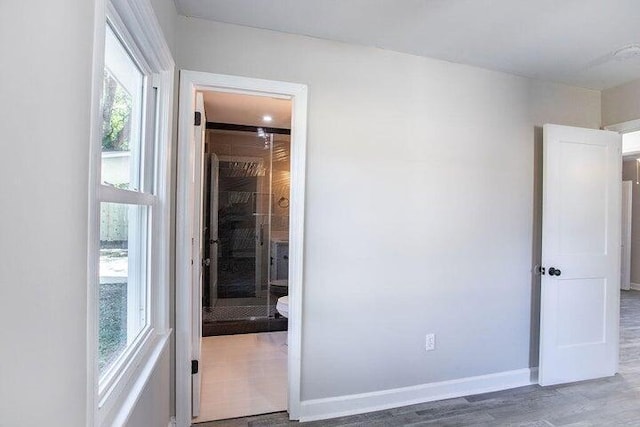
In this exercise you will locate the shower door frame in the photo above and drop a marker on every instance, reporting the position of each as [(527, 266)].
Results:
[(187, 178)]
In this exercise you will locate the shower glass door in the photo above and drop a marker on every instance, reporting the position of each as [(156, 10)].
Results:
[(245, 222)]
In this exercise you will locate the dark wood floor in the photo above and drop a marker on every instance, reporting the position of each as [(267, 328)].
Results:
[(611, 401)]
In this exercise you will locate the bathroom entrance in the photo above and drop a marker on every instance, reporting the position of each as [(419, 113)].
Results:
[(245, 246), (239, 246)]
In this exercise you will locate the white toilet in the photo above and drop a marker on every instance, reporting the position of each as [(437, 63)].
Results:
[(283, 306)]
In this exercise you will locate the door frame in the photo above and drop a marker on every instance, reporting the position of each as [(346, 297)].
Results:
[(626, 127), (190, 82), (625, 249)]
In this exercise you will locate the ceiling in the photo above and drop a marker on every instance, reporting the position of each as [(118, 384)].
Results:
[(568, 41), (239, 109)]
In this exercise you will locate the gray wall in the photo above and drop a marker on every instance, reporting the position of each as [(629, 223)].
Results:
[(45, 88), (621, 104), (420, 204), (166, 14)]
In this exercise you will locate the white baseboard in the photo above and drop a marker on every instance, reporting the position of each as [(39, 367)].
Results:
[(635, 286), (332, 407)]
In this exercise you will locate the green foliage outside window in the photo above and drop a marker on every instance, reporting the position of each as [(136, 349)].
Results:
[(116, 115)]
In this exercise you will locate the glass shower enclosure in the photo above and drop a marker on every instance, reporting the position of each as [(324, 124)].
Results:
[(246, 232)]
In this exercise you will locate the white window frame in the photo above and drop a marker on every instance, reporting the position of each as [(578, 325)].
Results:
[(626, 127), (111, 401)]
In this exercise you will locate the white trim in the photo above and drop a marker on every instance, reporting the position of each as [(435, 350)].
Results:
[(163, 182), (93, 245), (139, 15), (190, 81), (340, 406), (107, 194), (116, 154), (112, 379), (625, 127), (635, 286)]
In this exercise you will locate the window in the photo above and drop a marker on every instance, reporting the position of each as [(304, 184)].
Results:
[(631, 142), (129, 209), (124, 204), (122, 106)]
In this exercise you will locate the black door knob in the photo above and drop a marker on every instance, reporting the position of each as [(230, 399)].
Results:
[(554, 271)]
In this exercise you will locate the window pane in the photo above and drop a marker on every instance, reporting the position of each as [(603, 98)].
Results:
[(631, 142), (123, 281), (121, 117)]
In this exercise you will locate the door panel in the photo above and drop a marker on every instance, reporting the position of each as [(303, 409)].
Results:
[(581, 199), (583, 323), (581, 240), (196, 285)]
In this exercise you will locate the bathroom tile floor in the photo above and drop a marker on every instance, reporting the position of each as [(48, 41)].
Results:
[(243, 375)]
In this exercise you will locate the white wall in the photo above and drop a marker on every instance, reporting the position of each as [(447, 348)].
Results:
[(621, 103), (420, 201), (153, 409), (45, 80), (165, 11)]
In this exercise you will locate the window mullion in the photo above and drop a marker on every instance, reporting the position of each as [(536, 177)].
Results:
[(117, 195)]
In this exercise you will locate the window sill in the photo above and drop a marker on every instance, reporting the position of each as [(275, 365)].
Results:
[(124, 403)]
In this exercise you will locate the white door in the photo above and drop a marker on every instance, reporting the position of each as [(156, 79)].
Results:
[(196, 302), (214, 196), (625, 264), (580, 254)]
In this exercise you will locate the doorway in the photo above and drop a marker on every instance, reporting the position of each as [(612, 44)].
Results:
[(229, 209), (246, 194), (628, 356), (245, 241), (630, 249)]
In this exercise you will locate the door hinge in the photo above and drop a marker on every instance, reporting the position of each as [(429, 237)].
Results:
[(197, 120), (194, 367)]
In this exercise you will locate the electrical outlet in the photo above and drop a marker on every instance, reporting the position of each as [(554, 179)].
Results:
[(430, 342)]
